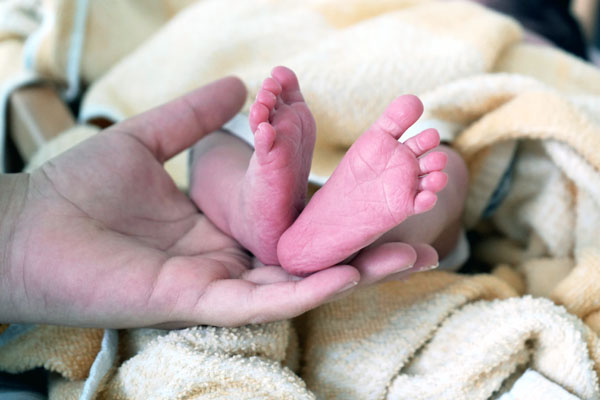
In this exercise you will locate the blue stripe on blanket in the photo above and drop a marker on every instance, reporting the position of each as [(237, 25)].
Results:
[(503, 187), (14, 331)]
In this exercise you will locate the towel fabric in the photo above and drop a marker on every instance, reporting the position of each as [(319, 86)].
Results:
[(525, 118)]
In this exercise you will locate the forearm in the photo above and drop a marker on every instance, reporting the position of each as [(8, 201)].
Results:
[(13, 194)]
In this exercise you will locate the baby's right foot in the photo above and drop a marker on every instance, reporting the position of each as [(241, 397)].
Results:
[(273, 191), (377, 185)]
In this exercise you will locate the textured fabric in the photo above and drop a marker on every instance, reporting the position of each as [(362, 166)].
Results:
[(533, 385), (526, 120), (68, 351)]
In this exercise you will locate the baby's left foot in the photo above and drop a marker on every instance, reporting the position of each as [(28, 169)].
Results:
[(273, 191), (378, 184)]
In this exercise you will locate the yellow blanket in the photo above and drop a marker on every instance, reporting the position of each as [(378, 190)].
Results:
[(521, 115)]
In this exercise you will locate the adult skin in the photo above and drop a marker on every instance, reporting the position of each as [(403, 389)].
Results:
[(101, 236)]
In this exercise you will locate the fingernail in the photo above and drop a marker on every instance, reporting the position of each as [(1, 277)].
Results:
[(427, 268)]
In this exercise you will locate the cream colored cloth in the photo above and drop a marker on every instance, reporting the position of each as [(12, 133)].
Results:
[(524, 118), (533, 386), (426, 338), (80, 40)]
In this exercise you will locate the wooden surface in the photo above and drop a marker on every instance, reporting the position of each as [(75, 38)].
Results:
[(35, 116)]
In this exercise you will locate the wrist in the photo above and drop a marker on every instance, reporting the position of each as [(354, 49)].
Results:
[(13, 196)]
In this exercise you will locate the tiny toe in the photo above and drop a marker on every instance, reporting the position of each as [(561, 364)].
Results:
[(290, 88), (266, 98), (430, 162), (424, 201), (259, 113), (424, 141), (433, 182), (399, 116), (272, 86), (264, 137)]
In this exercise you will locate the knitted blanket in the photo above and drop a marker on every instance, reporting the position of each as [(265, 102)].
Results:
[(525, 119)]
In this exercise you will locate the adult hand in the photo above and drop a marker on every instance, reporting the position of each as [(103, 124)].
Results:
[(101, 237)]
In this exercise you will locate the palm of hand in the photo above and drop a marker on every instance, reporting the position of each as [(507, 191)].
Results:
[(121, 237), (105, 239)]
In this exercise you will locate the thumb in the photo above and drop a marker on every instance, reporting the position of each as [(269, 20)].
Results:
[(173, 127)]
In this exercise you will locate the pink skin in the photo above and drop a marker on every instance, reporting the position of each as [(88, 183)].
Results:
[(440, 226), (266, 189), (378, 184)]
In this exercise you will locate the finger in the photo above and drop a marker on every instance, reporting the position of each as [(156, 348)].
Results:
[(171, 128), (376, 263), (427, 259), (234, 302)]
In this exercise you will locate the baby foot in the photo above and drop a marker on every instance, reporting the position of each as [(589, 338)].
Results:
[(377, 185), (274, 188)]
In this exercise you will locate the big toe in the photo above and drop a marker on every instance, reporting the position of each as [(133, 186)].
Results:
[(290, 88), (399, 116)]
